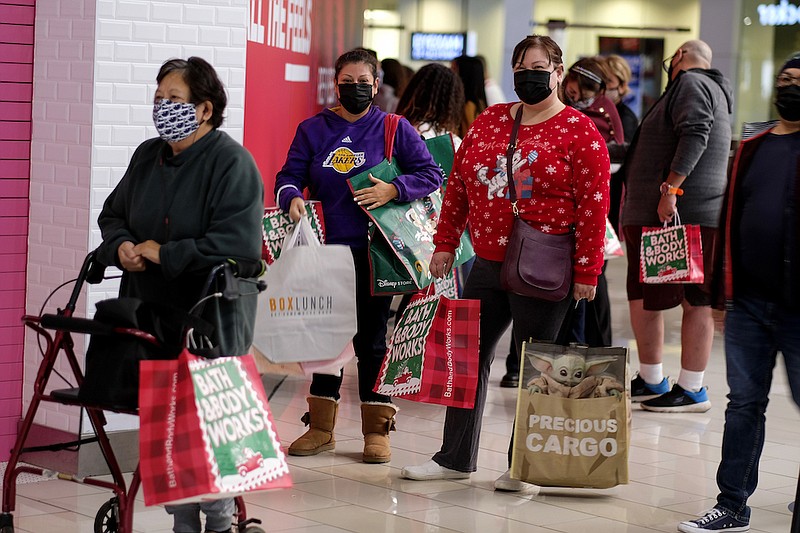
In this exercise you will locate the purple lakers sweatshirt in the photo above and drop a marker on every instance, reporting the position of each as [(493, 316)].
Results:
[(327, 150)]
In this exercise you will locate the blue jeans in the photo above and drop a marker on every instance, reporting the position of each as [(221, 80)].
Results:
[(755, 331), (219, 515)]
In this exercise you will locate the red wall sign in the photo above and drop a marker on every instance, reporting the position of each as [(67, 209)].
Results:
[(292, 46)]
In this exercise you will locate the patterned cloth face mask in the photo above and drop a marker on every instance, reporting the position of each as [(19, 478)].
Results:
[(175, 120)]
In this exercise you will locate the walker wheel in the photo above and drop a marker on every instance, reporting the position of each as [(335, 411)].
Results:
[(254, 529), (7, 529), (107, 518)]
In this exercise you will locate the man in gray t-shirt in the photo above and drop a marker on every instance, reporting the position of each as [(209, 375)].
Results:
[(677, 163)]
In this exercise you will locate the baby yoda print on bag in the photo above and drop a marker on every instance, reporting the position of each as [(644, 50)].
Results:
[(571, 428)]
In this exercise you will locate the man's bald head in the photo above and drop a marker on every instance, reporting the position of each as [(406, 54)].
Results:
[(698, 54)]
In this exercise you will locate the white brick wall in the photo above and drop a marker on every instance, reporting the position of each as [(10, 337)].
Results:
[(60, 169), (95, 68)]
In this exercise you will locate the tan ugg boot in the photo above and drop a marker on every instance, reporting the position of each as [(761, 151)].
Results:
[(321, 418), (377, 420)]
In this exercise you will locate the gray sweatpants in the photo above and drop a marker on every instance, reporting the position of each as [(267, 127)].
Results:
[(219, 516)]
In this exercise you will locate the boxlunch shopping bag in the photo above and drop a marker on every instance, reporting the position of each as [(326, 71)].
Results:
[(671, 254), (571, 428), (433, 353), (308, 310), (206, 431)]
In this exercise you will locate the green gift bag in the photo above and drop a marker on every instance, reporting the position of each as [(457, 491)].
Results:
[(401, 234)]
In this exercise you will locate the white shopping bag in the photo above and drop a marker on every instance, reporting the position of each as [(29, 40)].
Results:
[(308, 312)]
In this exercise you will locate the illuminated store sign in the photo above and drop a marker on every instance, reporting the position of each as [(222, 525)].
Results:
[(783, 14)]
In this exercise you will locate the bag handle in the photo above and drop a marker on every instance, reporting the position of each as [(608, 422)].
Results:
[(676, 220), (302, 228), (512, 146), (389, 129)]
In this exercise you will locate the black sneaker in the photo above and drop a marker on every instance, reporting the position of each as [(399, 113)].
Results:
[(679, 400), (714, 519), (510, 381), (641, 390)]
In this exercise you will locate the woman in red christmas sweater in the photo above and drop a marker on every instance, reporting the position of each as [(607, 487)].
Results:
[(561, 175)]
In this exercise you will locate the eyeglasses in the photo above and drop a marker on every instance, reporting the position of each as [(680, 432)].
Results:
[(784, 80)]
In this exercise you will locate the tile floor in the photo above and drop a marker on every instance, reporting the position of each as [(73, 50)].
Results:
[(673, 460)]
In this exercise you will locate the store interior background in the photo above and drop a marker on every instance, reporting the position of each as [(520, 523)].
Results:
[(746, 51)]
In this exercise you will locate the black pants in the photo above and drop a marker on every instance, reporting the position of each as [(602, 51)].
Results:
[(372, 313), (532, 318)]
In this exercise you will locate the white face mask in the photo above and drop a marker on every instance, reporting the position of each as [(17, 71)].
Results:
[(175, 121), (583, 104)]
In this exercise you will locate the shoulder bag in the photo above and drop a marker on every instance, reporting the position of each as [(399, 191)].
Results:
[(537, 264)]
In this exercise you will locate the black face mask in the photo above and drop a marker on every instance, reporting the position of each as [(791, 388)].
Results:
[(787, 102), (532, 86), (355, 97)]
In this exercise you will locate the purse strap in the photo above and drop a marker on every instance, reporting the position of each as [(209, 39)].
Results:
[(512, 146), (389, 129)]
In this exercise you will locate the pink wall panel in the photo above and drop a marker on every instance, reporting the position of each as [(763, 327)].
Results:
[(10, 207), (11, 187), (14, 131), (20, 12), (15, 110), (16, 53), (15, 92), (12, 299), (15, 150), (13, 336), (13, 226), (13, 263), (16, 33)]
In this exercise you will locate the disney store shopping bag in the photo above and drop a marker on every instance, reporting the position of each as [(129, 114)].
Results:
[(671, 254), (401, 237), (276, 224), (571, 428), (206, 431), (308, 310), (433, 353)]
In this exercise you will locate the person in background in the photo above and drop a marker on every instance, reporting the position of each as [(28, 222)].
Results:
[(760, 245), (584, 89), (328, 149), (551, 137), (494, 94), (190, 199), (617, 77), (433, 102), (677, 163), (470, 70), (391, 86)]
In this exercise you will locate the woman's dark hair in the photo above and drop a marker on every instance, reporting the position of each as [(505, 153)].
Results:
[(470, 70), (548, 45), (203, 81), (435, 95), (394, 75), (356, 55), (588, 73)]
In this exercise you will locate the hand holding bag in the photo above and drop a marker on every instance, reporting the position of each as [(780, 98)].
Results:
[(433, 353), (671, 254), (308, 311), (537, 264)]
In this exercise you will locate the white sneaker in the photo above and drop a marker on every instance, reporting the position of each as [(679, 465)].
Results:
[(431, 470), (507, 484)]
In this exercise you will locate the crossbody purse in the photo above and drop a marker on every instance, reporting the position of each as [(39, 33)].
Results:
[(537, 264)]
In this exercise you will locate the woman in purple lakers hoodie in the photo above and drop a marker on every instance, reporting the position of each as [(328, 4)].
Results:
[(328, 149)]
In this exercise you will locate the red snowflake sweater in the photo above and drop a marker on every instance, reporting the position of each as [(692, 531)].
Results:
[(561, 174)]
